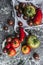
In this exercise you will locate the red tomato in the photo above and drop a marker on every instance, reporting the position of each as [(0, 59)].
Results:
[(15, 43), (38, 17), (11, 52), (8, 45), (9, 39)]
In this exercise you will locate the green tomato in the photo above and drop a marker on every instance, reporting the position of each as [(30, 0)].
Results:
[(29, 11), (33, 41)]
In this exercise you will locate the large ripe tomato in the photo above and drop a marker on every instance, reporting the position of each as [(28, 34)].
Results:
[(33, 41), (38, 17)]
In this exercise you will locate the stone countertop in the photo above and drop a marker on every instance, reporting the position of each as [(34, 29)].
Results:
[(4, 59)]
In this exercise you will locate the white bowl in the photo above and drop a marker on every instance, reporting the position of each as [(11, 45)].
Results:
[(18, 50)]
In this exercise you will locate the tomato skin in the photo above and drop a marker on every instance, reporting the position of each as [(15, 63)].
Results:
[(22, 34), (11, 52), (27, 51), (38, 17), (15, 43), (9, 39), (8, 45), (33, 41)]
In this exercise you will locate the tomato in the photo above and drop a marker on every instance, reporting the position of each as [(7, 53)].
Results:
[(33, 41), (11, 52), (38, 17), (22, 34), (15, 43), (8, 45), (26, 49), (9, 39)]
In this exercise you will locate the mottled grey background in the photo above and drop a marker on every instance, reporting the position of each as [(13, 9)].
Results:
[(38, 31)]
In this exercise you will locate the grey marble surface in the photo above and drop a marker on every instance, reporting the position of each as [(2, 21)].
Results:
[(5, 13)]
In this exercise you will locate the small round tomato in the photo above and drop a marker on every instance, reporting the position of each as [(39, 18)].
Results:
[(9, 39), (8, 45), (25, 49), (15, 43), (11, 52)]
